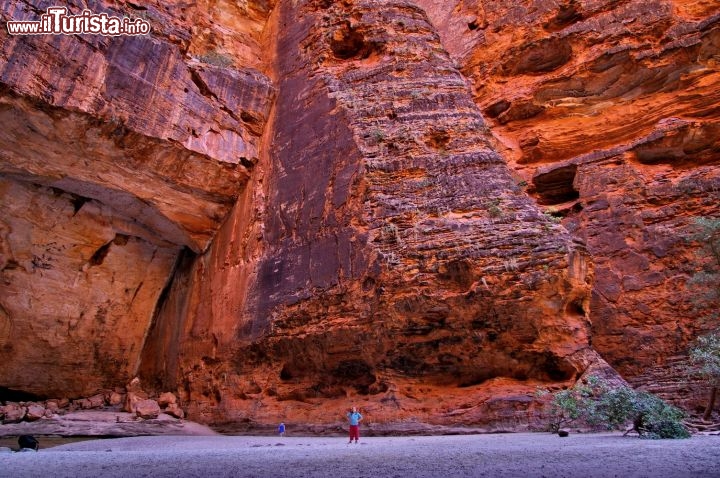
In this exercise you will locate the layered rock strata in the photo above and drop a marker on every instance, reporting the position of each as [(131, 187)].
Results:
[(398, 256), (358, 237), (608, 112), (119, 159)]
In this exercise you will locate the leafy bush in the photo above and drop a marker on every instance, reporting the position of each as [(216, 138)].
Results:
[(705, 356), (650, 416), (668, 429), (596, 403), (570, 405), (705, 283), (705, 353)]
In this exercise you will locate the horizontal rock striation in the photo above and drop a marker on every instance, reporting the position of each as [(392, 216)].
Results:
[(426, 209), (144, 113), (608, 112), (120, 157), (398, 250)]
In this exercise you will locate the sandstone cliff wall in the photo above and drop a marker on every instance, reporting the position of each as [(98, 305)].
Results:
[(608, 112), (399, 256), (120, 157), (425, 208)]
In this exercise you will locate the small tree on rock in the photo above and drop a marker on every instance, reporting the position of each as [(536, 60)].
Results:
[(705, 282), (570, 405), (650, 416)]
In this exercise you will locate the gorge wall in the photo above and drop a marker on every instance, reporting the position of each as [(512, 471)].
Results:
[(121, 156), (608, 111), (279, 210)]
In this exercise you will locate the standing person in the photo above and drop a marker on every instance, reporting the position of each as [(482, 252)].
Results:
[(354, 417), (281, 429)]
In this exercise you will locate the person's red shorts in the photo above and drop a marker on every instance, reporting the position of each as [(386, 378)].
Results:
[(354, 432)]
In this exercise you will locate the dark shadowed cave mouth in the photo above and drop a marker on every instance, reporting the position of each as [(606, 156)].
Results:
[(556, 186), (10, 395)]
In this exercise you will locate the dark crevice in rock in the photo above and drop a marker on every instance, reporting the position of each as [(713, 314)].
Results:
[(173, 298), (137, 289), (555, 369), (348, 43), (556, 186), (230, 113), (78, 202), (201, 85), (540, 57), (184, 261), (248, 163), (135, 6), (254, 122), (99, 256), (575, 309), (457, 271), (495, 109), (121, 239), (567, 15), (286, 373), (356, 372), (438, 139), (683, 146), (520, 111), (11, 264)]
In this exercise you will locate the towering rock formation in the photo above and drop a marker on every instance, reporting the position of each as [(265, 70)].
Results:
[(277, 209), (119, 159), (397, 250), (609, 111)]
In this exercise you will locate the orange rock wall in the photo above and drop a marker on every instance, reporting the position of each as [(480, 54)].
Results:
[(609, 112), (392, 248), (424, 208), (119, 159)]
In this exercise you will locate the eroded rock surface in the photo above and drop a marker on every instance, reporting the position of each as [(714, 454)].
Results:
[(119, 157), (423, 208), (399, 262), (607, 110)]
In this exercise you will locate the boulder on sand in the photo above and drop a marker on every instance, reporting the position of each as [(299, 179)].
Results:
[(13, 412), (147, 409)]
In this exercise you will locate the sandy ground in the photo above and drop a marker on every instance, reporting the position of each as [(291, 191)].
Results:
[(495, 455)]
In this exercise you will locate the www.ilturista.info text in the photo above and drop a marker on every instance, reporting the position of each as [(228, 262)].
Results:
[(57, 21)]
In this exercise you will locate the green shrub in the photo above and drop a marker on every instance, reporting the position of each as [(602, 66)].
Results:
[(598, 404), (216, 58), (650, 416), (705, 356), (570, 405), (668, 429)]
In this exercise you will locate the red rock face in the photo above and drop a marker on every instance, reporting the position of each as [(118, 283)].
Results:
[(609, 111), (426, 209), (396, 250), (120, 157)]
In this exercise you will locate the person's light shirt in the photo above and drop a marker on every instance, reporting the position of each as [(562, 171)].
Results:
[(354, 418)]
